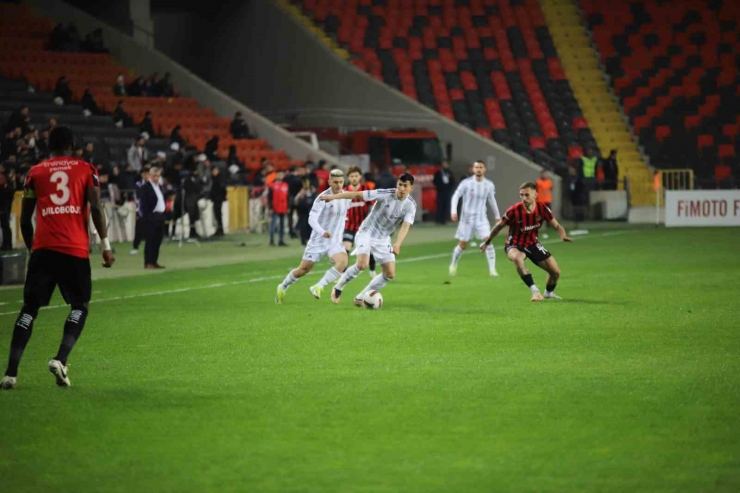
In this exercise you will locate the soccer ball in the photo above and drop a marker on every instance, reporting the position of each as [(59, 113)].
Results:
[(373, 300)]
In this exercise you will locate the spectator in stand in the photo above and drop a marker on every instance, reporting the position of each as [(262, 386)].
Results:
[(88, 103), (88, 153), (79, 152), (303, 203), (544, 189), (444, 182), (176, 137), (62, 90), (58, 38), (239, 127), (138, 155), (322, 175), (94, 42), (611, 171), (147, 125), (18, 119), (211, 149), (43, 145), (193, 190), (153, 86), (120, 117), (7, 192), (74, 40), (166, 89), (277, 200), (120, 88), (372, 175), (232, 159), (144, 86), (10, 145), (204, 171), (52, 123), (218, 197)]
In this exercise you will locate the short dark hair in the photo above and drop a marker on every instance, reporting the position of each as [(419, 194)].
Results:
[(407, 177), (479, 161), (354, 169), (528, 184), (61, 139)]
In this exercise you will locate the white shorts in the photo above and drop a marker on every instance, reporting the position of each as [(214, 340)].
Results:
[(316, 249), (465, 229), (381, 248)]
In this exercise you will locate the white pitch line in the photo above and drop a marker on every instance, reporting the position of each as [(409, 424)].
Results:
[(281, 276)]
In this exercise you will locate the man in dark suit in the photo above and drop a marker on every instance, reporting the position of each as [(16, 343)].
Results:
[(153, 207), (444, 182)]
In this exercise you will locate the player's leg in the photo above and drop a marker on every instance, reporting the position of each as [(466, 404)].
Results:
[(482, 230), (363, 248), (550, 265), (383, 251), (463, 236), (372, 265), (281, 234), (518, 257), (37, 292), (338, 257), (306, 265), (74, 279)]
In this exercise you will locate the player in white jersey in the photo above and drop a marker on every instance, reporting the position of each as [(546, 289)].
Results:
[(327, 221), (393, 206), (477, 192)]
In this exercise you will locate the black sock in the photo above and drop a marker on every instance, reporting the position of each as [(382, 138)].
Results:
[(550, 287), (21, 335), (72, 330), (527, 278), (372, 263)]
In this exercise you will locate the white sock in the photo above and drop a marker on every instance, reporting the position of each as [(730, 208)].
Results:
[(548, 293), (534, 288), (348, 276), (289, 280), (329, 277), (456, 254), (491, 256), (376, 284)]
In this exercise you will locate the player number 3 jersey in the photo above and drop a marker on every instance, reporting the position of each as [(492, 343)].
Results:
[(59, 186)]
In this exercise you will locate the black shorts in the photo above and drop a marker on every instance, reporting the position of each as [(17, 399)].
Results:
[(48, 269), (535, 252), (349, 235)]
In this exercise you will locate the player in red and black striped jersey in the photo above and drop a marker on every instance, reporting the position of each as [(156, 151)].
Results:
[(357, 212), (524, 219)]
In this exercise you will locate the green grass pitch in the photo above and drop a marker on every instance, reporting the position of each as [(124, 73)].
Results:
[(193, 380)]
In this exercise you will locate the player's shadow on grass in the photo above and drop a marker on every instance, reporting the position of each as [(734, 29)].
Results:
[(582, 301)]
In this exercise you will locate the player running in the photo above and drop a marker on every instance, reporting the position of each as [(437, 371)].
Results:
[(327, 221), (64, 191), (357, 212), (524, 219), (393, 206), (476, 192)]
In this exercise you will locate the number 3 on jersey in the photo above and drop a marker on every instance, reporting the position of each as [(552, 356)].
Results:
[(61, 179)]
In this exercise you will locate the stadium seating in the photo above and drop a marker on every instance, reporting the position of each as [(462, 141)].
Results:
[(674, 68), (489, 65), (23, 58)]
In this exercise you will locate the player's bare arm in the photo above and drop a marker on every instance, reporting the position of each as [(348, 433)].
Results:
[(560, 229), (402, 232), (343, 195), (495, 231), (28, 206), (98, 217)]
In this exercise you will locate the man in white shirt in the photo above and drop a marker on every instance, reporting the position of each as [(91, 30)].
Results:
[(393, 206), (153, 207), (327, 221), (476, 191)]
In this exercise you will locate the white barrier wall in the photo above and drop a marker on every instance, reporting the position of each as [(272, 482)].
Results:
[(700, 208)]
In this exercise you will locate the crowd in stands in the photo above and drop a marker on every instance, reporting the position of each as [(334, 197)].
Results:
[(68, 39)]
